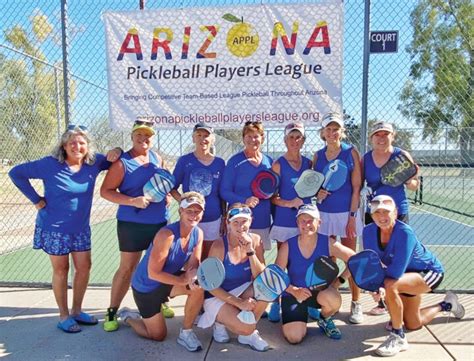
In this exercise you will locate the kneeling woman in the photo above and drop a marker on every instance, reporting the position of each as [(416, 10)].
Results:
[(241, 253), (296, 255), (159, 275), (411, 271)]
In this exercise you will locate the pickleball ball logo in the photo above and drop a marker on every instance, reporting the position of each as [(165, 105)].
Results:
[(242, 38)]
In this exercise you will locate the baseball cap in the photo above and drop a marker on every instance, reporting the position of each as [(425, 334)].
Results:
[(382, 202), (240, 212), (203, 126), (310, 209), (333, 118), (189, 201), (381, 126), (294, 126), (143, 125)]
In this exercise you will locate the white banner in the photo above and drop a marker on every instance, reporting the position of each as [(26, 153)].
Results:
[(225, 65)]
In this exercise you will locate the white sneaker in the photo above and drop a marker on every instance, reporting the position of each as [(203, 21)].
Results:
[(189, 340), (220, 333), (255, 341), (392, 345), (125, 314), (456, 308), (356, 313)]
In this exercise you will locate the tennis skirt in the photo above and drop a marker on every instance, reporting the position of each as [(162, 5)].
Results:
[(211, 229), (334, 224), (264, 234), (61, 244), (213, 305), (282, 234)]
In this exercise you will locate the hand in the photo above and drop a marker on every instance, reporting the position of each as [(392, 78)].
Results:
[(247, 304), (252, 202), (114, 154), (41, 204), (322, 195), (245, 240), (140, 202), (189, 277), (301, 294), (168, 200), (295, 203), (351, 233)]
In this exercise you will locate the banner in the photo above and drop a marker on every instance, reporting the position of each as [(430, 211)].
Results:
[(225, 65)]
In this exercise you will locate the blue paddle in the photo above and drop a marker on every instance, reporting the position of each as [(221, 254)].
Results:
[(366, 270), (321, 273), (335, 175), (159, 185), (211, 273), (270, 284)]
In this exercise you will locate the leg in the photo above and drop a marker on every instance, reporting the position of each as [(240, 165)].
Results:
[(193, 304), (355, 291), (123, 276), (330, 301), (82, 266), (294, 332), (59, 282), (206, 246), (261, 305), (153, 328), (227, 316)]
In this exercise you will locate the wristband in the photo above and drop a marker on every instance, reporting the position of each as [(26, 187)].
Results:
[(251, 253), (354, 214), (341, 280)]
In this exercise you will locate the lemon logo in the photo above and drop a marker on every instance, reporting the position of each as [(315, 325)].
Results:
[(242, 39)]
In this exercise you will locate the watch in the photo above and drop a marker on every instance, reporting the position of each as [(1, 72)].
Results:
[(354, 214), (341, 280), (251, 253)]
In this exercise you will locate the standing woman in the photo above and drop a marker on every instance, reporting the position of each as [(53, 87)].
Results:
[(241, 252), (62, 223), (201, 171), (411, 271), (239, 172), (340, 209), (296, 255), (382, 136), (138, 219), (289, 167)]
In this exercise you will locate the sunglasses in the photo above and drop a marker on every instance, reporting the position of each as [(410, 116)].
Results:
[(74, 126), (306, 207), (377, 202), (252, 123), (143, 122), (235, 211)]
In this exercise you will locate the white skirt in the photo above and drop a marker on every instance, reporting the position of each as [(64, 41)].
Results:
[(264, 234), (334, 224), (211, 229), (282, 234), (213, 305)]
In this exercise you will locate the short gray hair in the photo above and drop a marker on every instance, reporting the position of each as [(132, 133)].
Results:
[(60, 154)]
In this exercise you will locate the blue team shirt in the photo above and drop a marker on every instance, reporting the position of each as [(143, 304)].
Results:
[(177, 258), (372, 174), (68, 194), (205, 179), (403, 252), (135, 177), (298, 264), (235, 186), (284, 216)]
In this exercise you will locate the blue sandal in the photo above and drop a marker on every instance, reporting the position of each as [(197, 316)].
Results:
[(85, 319), (69, 325)]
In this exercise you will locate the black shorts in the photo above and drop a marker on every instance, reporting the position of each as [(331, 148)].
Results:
[(432, 280), (401, 217), (293, 311), (136, 237)]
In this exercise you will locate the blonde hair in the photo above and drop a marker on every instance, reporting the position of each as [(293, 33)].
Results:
[(253, 126), (60, 153), (192, 194), (343, 133)]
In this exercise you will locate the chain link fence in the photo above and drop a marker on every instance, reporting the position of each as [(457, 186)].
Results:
[(425, 90)]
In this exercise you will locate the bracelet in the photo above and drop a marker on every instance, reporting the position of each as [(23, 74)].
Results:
[(341, 280), (251, 253)]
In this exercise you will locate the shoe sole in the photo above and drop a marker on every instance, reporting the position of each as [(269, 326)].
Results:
[(182, 343), (253, 347), (328, 336), (356, 322), (111, 328), (221, 341), (380, 353)]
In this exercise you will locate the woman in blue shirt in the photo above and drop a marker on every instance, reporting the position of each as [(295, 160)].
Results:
[(201, 171), (411, 270), (138, 219), (239, 172), (168, 269), (62, 223), (340, 216)]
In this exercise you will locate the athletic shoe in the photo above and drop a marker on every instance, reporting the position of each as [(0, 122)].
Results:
[(110, 322), (378, 311), (189, 340), (274, 314), (356, 313), (314, 313), (220, 333), (254, 341), (392, 345), (125, 314), (167, 311), (456, 308), (328, 327)]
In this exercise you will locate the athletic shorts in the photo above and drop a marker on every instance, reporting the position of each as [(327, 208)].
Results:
[(432, 280), (264, 234), (334, 224), (282, 234), (293, 311), (136, 237), (211, 230), (401, 217), (61, 244)]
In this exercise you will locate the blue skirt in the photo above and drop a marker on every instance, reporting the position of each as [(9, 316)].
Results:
[(61, 244)]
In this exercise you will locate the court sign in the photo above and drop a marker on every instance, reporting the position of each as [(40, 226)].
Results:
[(384, 41), (225, 66)]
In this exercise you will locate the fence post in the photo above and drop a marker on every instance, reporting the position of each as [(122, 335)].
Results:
[(365, 77), (57, 102), (65, 47)]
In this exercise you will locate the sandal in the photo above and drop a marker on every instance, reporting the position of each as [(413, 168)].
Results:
[(69, 325), (85, 319)]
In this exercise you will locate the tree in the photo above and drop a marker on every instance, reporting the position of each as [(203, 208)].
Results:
[(439, 91)]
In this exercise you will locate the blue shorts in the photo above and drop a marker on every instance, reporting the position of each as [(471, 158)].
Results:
[(61, 244)]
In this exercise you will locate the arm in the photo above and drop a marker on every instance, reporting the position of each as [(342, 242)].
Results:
[(257, 260), (21, 175), (227, 185), (276, 199), (356, 180), (403, 250), (414, 182), (337, 250), (178, 174)]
